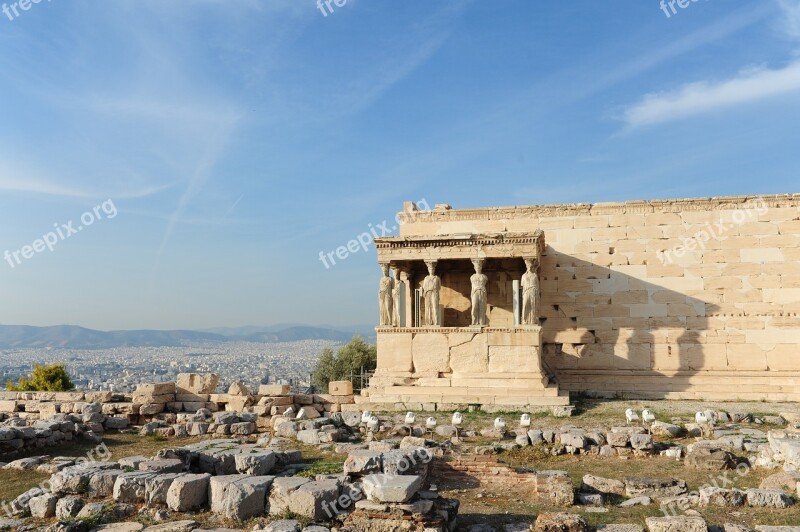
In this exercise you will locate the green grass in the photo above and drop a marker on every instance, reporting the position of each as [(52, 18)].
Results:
[(322, 467)]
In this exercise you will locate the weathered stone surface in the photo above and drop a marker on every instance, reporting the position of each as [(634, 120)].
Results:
[(69, 506), (535, 436), (188, 492), (286, 429), (311, 499), (712, 496), (709, 459), (391, 488), (75, 479), (196, 383), (412, 441), (256, 464), (560, 522), (157, 487), (282, 488), (785, 480), (351, 419), (653, 487), (273, 390), (239, 497), (409, 461), (101, 485), (238, 388), (21, 504), (116, 423), (283, 525), (160, 388), (120, 527), (676, 524), (130, 487), (174, 526), (617, 439), (659, 428), (92, 510), (589, 499), (340, 388), (642, 441), (162, 465), (768, 498), (43, 506), (25, 464), (596, 484), (308, 436), (573, 439), (243, 429), (363, 462)]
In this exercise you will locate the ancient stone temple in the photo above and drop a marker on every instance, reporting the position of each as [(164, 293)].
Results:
[(459, 334), (517, 306)]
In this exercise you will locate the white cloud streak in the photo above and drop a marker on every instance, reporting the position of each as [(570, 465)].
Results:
[(702, 97)]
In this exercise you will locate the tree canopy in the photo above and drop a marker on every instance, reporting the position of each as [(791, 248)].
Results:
[(345, 364)]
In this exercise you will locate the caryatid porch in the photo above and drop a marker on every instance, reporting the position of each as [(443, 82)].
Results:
[(459, 322)]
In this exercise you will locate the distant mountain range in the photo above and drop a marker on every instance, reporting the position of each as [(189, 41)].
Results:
[(74, 337)]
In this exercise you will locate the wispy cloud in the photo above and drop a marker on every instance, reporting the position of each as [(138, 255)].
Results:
[(702, 97), (790, 23), (27, 180)]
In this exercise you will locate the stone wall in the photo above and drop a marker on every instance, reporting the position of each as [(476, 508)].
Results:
[(470, 471), (182, 408), (694, 298)]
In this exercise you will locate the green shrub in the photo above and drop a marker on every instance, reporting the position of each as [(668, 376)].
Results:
[(52, 378)]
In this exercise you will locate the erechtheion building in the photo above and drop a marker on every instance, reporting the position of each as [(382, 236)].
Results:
[(518, 306)]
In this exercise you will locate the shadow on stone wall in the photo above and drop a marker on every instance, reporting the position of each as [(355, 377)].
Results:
[(608, 333)]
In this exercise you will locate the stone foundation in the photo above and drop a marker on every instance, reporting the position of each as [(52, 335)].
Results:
[(451, 367)]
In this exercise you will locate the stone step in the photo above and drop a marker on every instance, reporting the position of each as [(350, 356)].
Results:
[(728, 386), (506, 400), (421, 391)]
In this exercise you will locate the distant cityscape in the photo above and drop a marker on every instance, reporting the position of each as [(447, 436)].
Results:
[(120, 369)]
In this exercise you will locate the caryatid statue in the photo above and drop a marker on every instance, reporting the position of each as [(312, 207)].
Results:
[(479, 281), (530, 294), (385, 297), (431, 286), (396, 297)]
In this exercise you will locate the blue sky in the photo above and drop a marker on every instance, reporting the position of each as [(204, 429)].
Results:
[(238, 139)]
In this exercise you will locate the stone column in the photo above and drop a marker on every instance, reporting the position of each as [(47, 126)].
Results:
[(385, 289), (398, 299), (431, 286), (530, 293), (478, 296)]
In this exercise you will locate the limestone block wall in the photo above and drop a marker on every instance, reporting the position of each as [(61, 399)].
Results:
[(694, 298)]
